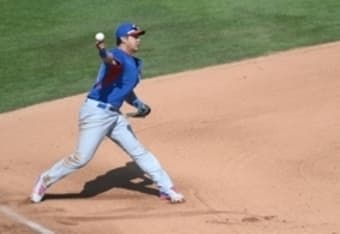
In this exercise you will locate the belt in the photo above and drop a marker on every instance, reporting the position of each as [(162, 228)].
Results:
[(102, 105)]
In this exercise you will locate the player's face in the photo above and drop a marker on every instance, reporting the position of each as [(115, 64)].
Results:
[(133, 42)]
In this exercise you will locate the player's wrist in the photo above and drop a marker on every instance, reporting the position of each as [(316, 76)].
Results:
[(102, 53)]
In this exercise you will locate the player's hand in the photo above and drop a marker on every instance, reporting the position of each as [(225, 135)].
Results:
[(100, 45), (143, 111)]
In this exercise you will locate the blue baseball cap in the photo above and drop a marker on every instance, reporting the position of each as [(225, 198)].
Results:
[(128, 29)]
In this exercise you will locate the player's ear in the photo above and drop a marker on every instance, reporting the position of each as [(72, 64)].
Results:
[(124, 39)]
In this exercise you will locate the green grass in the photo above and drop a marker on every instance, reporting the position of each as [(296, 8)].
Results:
[(47, 47)]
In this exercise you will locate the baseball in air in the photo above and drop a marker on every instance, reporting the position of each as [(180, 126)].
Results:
[(100, 36)]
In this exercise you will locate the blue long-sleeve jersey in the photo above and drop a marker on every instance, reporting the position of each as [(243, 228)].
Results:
[(115, 83)]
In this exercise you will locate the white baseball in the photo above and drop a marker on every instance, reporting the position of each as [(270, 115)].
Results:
[(100, 36)]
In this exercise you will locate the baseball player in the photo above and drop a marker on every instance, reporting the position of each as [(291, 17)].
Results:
[(100, 117)]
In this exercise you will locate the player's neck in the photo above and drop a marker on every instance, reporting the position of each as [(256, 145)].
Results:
[(126, 49)]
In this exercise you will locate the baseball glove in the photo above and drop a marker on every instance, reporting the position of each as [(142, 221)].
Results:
[(141, 112)]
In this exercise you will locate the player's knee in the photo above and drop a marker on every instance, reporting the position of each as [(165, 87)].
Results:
[(76, 160), (138, 152)]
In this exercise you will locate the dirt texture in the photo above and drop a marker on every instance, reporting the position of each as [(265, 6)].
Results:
[(253, 145)]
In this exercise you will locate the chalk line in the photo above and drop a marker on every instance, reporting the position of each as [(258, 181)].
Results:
[(21, 219)]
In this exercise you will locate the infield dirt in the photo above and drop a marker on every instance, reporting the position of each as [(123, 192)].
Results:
[(253, 145)]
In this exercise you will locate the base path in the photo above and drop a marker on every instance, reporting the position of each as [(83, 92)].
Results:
[(254, 146)]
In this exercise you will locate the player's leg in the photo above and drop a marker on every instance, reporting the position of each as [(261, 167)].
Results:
[(94, 124), (123, 135)]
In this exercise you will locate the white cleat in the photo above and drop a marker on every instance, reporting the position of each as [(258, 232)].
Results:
[(39, 191), (172, 196)]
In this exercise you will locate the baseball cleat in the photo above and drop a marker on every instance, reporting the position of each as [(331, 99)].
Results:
[(172, 196), (39, 191)]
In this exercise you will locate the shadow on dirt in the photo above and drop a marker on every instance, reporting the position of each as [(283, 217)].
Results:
[(122, 177)]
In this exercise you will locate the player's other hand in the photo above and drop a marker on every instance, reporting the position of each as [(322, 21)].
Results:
[(142, 111)]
